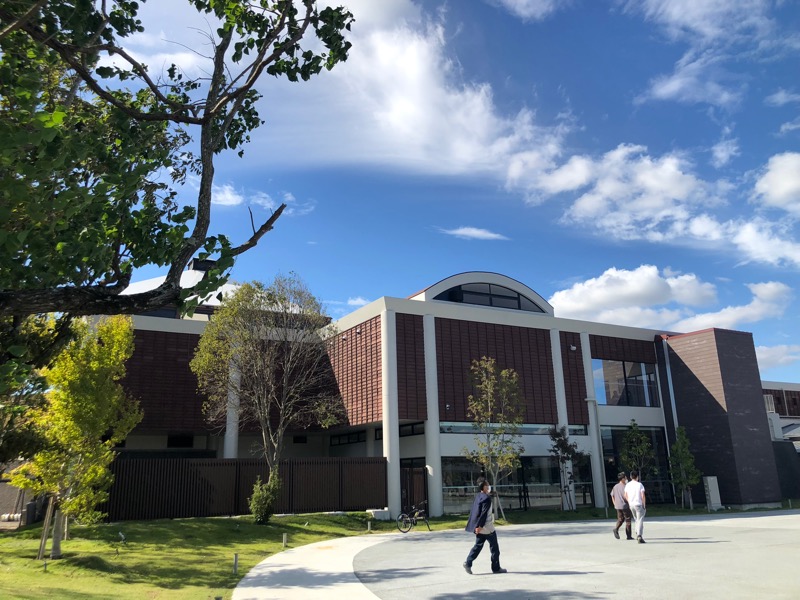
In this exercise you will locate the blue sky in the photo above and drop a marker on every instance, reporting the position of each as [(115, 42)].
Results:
[(633, 162)]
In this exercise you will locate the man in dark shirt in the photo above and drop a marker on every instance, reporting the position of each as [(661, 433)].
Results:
[(481, 523), (623, 510)]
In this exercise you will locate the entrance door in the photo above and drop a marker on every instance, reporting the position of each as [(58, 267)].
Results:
[(413, 482)]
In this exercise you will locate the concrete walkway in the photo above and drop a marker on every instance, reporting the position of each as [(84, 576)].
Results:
[(743, 556)]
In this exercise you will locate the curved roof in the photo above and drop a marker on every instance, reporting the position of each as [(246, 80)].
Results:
[(471, 277)]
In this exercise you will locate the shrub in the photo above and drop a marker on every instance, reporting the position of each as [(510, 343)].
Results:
[(265, 495)]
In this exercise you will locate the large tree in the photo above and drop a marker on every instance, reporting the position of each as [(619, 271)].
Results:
[(90, 137), (86, 414), (264, 356), (497, 412)]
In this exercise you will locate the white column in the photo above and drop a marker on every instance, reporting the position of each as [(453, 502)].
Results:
[(433, 451), (595, 440), (561, 391), (558, 374), (391, 419), (665, 346), (230, 448)]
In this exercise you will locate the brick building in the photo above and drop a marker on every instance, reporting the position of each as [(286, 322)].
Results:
[(402, 366)]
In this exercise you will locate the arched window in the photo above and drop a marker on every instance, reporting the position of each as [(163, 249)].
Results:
[(489, 294)]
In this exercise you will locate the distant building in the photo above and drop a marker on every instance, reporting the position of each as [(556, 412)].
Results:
[(403, 365)]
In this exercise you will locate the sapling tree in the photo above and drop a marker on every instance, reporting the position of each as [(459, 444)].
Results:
[(85, 415), (682, 468), (568, 458), (637, 453), (496, 411)]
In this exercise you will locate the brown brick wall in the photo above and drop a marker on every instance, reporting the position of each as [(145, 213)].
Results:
[(574, 379), (356, 361), (611, 348), (718, 400), (747, 417), (525, 350), (411, 396), (158, 375)]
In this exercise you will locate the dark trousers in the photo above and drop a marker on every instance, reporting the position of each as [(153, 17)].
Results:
[(624, 514), (494, 548)]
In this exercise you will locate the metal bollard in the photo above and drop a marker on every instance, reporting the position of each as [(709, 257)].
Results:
[(369, 523), (285, 539), (236, 564)]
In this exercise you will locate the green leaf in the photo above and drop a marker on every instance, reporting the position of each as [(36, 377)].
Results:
[(17, 351)]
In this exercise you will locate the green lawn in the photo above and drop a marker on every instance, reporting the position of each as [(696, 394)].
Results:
[(193, 558)]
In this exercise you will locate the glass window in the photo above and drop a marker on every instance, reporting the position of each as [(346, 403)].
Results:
[(505, 302), (484, 294), (619, 383), (529, 305), (480, 299), (655, 479), (500, 290), (599, 381), (481, 288)]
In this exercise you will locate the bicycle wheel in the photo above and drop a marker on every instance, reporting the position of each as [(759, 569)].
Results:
[(404, 523)]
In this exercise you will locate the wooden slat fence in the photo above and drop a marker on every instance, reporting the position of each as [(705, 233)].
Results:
[(146, 488)]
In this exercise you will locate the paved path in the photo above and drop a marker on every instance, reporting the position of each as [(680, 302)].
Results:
[(744, 556)]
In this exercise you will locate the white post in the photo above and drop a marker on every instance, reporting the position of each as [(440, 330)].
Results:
[(230, 447), (561, 393), (433, 451), (391, 417)]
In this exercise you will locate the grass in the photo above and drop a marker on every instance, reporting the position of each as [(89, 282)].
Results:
[(193, 558)]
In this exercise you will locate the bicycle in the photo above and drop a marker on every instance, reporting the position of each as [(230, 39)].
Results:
[(417, 513)]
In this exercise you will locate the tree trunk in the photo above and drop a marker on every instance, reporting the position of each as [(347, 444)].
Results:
[(58, 534), (48, 519)]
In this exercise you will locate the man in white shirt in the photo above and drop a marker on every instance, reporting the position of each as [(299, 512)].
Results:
[(634, 496)]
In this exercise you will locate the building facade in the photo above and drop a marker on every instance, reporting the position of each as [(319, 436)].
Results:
[(402, 366)]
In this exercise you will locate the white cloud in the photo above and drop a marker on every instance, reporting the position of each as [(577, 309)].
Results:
[(779, 184), (226, 195), (633, 195), (769, 300), (638, 297), (777, 356), (357, 301), (789, 126), (763, 241), (707, 20), (781, 97), (726, 149), (695, 80), (532, 10), (717, 33), (643, 297), (473, 233), (573, 175), (399, 102)]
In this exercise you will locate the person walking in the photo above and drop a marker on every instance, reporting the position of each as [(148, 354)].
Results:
[(623, 510), (634, 495), (481, 523)]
